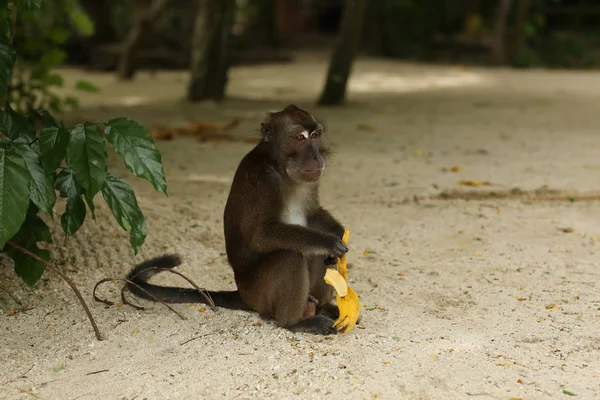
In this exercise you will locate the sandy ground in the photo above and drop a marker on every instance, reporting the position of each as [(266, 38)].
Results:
[(460, 299)]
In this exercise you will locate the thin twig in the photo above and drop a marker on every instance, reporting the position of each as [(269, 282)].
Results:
[(129, 303), (97, 372), (203, 292), (20, 376), (518, 194), (12, 296), (66, 279), (110, 303), (198, 337)]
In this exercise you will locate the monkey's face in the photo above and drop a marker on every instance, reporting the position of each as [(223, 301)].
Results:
[(298, 139), (306, 160)]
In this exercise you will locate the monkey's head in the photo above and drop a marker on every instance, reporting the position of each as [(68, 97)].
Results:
[(298, 143)]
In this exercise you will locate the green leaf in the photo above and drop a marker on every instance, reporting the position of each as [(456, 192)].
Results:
[(41, 191), (86, 155), (28, 268), (16, 126), (53, 147), (71, 102), (75, 213), (47, 118), (58, 34), (33, 230), (5, 28), (66, 185), (86, 86), (8, 56), (82, 22), (14, 194), (568, 393), (73, 217), (53, 80), (123, 205), (52, 58), (136, 146)]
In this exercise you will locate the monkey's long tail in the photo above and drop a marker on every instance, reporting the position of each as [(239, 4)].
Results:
[(142, 272)]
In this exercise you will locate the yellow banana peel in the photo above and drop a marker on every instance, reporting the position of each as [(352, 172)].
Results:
[(347, 299)]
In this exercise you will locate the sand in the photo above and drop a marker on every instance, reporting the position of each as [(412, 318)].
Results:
[(490, 298)]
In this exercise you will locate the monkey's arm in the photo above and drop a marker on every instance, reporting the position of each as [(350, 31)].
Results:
[(279, 236), (323, 221)]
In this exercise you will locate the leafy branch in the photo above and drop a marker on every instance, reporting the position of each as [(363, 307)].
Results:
[(39, 157)]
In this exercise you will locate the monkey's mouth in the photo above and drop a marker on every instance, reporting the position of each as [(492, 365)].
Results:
[(312, 173)]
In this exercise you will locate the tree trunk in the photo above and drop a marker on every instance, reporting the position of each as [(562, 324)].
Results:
[(498, 54), (344, 52), (209, 58), (518, 38), (100, 13), (141, 28)]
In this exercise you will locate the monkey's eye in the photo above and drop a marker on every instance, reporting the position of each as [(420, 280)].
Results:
[(314, 134), (302, 136)]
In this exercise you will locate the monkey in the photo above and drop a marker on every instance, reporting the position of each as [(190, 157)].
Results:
[(279, 240)]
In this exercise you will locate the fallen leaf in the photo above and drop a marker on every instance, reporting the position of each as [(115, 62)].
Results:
[(433, 357), (366, 253), (202, 309), (474, 183), (386, 363), (365, 127), (521, 298), (451, 169), (136, 330), (566, 230), (552, 307), (568, 393), (203, 130), (506, 364), (575, 297)]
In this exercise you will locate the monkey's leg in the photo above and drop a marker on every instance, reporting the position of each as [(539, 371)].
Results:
[(319, 289), (279, 289)]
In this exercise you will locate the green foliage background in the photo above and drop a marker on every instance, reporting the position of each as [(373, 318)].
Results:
[(39, 156)]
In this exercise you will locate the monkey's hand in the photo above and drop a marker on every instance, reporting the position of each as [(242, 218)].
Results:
[(337, 248)]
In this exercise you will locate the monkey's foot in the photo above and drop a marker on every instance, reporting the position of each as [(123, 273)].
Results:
[(317, 324), (311, 307)]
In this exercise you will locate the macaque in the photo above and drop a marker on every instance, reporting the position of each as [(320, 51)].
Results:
[(279, 240)]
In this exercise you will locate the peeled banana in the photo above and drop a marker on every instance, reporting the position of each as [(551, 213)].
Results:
[(347, 299)]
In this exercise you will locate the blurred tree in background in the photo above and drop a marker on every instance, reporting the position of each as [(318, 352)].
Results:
[(129, 35), (344, 52)]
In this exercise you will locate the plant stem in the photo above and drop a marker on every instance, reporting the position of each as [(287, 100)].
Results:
[(66, 279)]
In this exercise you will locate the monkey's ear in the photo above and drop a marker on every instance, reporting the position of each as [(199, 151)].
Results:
[(266, 131), (292, 108)]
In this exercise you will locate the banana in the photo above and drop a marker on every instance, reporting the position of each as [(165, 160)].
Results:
[(347, 299)]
